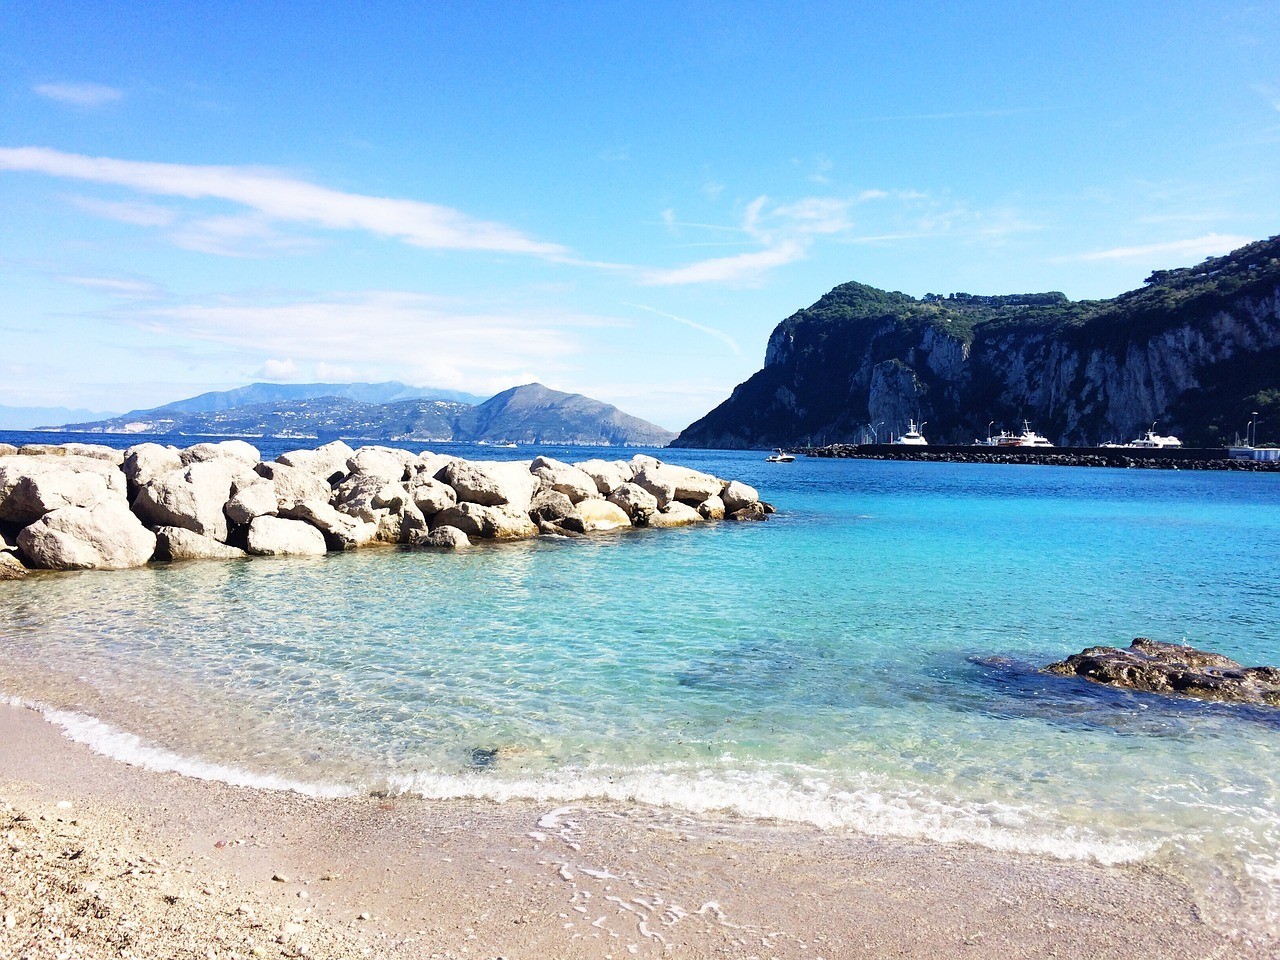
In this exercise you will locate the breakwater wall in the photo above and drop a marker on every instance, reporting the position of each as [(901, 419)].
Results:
[(85, 506), (1177, 458)]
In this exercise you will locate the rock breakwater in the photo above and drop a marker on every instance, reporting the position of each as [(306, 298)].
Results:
[(84, 506), (1116, 457)]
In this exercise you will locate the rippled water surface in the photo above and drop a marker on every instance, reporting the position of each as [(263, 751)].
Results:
[(819, 667)]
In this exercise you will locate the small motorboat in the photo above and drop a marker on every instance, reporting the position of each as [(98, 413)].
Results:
[(779, 456)]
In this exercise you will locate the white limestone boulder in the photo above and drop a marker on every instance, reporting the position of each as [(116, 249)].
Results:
[(564, 478), (195, 496), (712, 508), (661, 489), (753, 511), (597, 515), (638, 502), (97, 451), (608, 475), (294, 484), (443, 538), (688, 486), (387, 462), (432, 463), (341, 531), (430, 495), (737, 495), (144, 462), (486, 522), (257, 499), (549, 506), (676, 514), (8, 450), (368, 496), (491, 483), (11, 567), (277, 537), (31, 486), (239, 449), (179, 543), (325, 461), (106, 536)]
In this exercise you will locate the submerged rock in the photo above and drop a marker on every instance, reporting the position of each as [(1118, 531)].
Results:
[(1174, 670)]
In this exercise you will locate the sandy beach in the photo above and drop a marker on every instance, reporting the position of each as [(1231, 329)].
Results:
[(105, 860)]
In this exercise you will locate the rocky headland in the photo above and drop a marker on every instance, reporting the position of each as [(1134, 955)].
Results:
[(84, 506), (1174, 670), (1197, 349)]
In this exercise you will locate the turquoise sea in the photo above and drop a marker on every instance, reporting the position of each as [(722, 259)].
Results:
[(828, 667)]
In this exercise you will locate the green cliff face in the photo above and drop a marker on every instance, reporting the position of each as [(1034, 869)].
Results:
[(1197, 349)]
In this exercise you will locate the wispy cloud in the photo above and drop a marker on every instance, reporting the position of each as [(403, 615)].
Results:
[(135, 214), (251, 235), (1209, 245), (118, 287), (276, 196), (419, 339), (79, 94), (701, 328), (744, 267), (783, 231)]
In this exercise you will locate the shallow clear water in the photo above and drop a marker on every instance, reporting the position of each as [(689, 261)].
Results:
[(817, 668)]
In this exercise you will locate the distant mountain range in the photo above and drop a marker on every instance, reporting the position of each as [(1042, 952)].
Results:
[(1197, 349), (389, 411), (26, 418)]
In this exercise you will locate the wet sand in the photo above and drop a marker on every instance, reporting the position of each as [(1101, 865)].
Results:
[(99, 859)]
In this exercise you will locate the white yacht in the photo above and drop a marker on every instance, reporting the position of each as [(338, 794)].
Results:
[(1153, 440), (1029, 438), (913, 437), (779, 456)]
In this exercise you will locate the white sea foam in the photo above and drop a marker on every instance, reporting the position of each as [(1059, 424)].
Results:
[(764, 794), (129, 748)]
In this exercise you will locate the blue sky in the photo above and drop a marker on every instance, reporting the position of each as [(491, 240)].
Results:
[(616, 200)]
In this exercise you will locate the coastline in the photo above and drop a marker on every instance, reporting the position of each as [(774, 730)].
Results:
[(113, 860)]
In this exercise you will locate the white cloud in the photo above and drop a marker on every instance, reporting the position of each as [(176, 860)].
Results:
[(273, 369), (237, 236), (1195, 248), (123, 289), (79, 94), (817, 215), (382, 334), (747, 267), (276, 196), (783, 231), (135, 214)]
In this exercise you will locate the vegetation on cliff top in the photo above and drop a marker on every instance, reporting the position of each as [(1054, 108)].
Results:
[(821, 369)]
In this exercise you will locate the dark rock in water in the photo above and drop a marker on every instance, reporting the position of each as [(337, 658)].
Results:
[(482, 757), (1174, 670)]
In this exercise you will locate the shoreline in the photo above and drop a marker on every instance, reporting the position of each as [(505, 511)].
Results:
[(130, 862)]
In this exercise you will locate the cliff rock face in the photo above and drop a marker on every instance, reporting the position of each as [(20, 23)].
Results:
[(1197, 349)]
